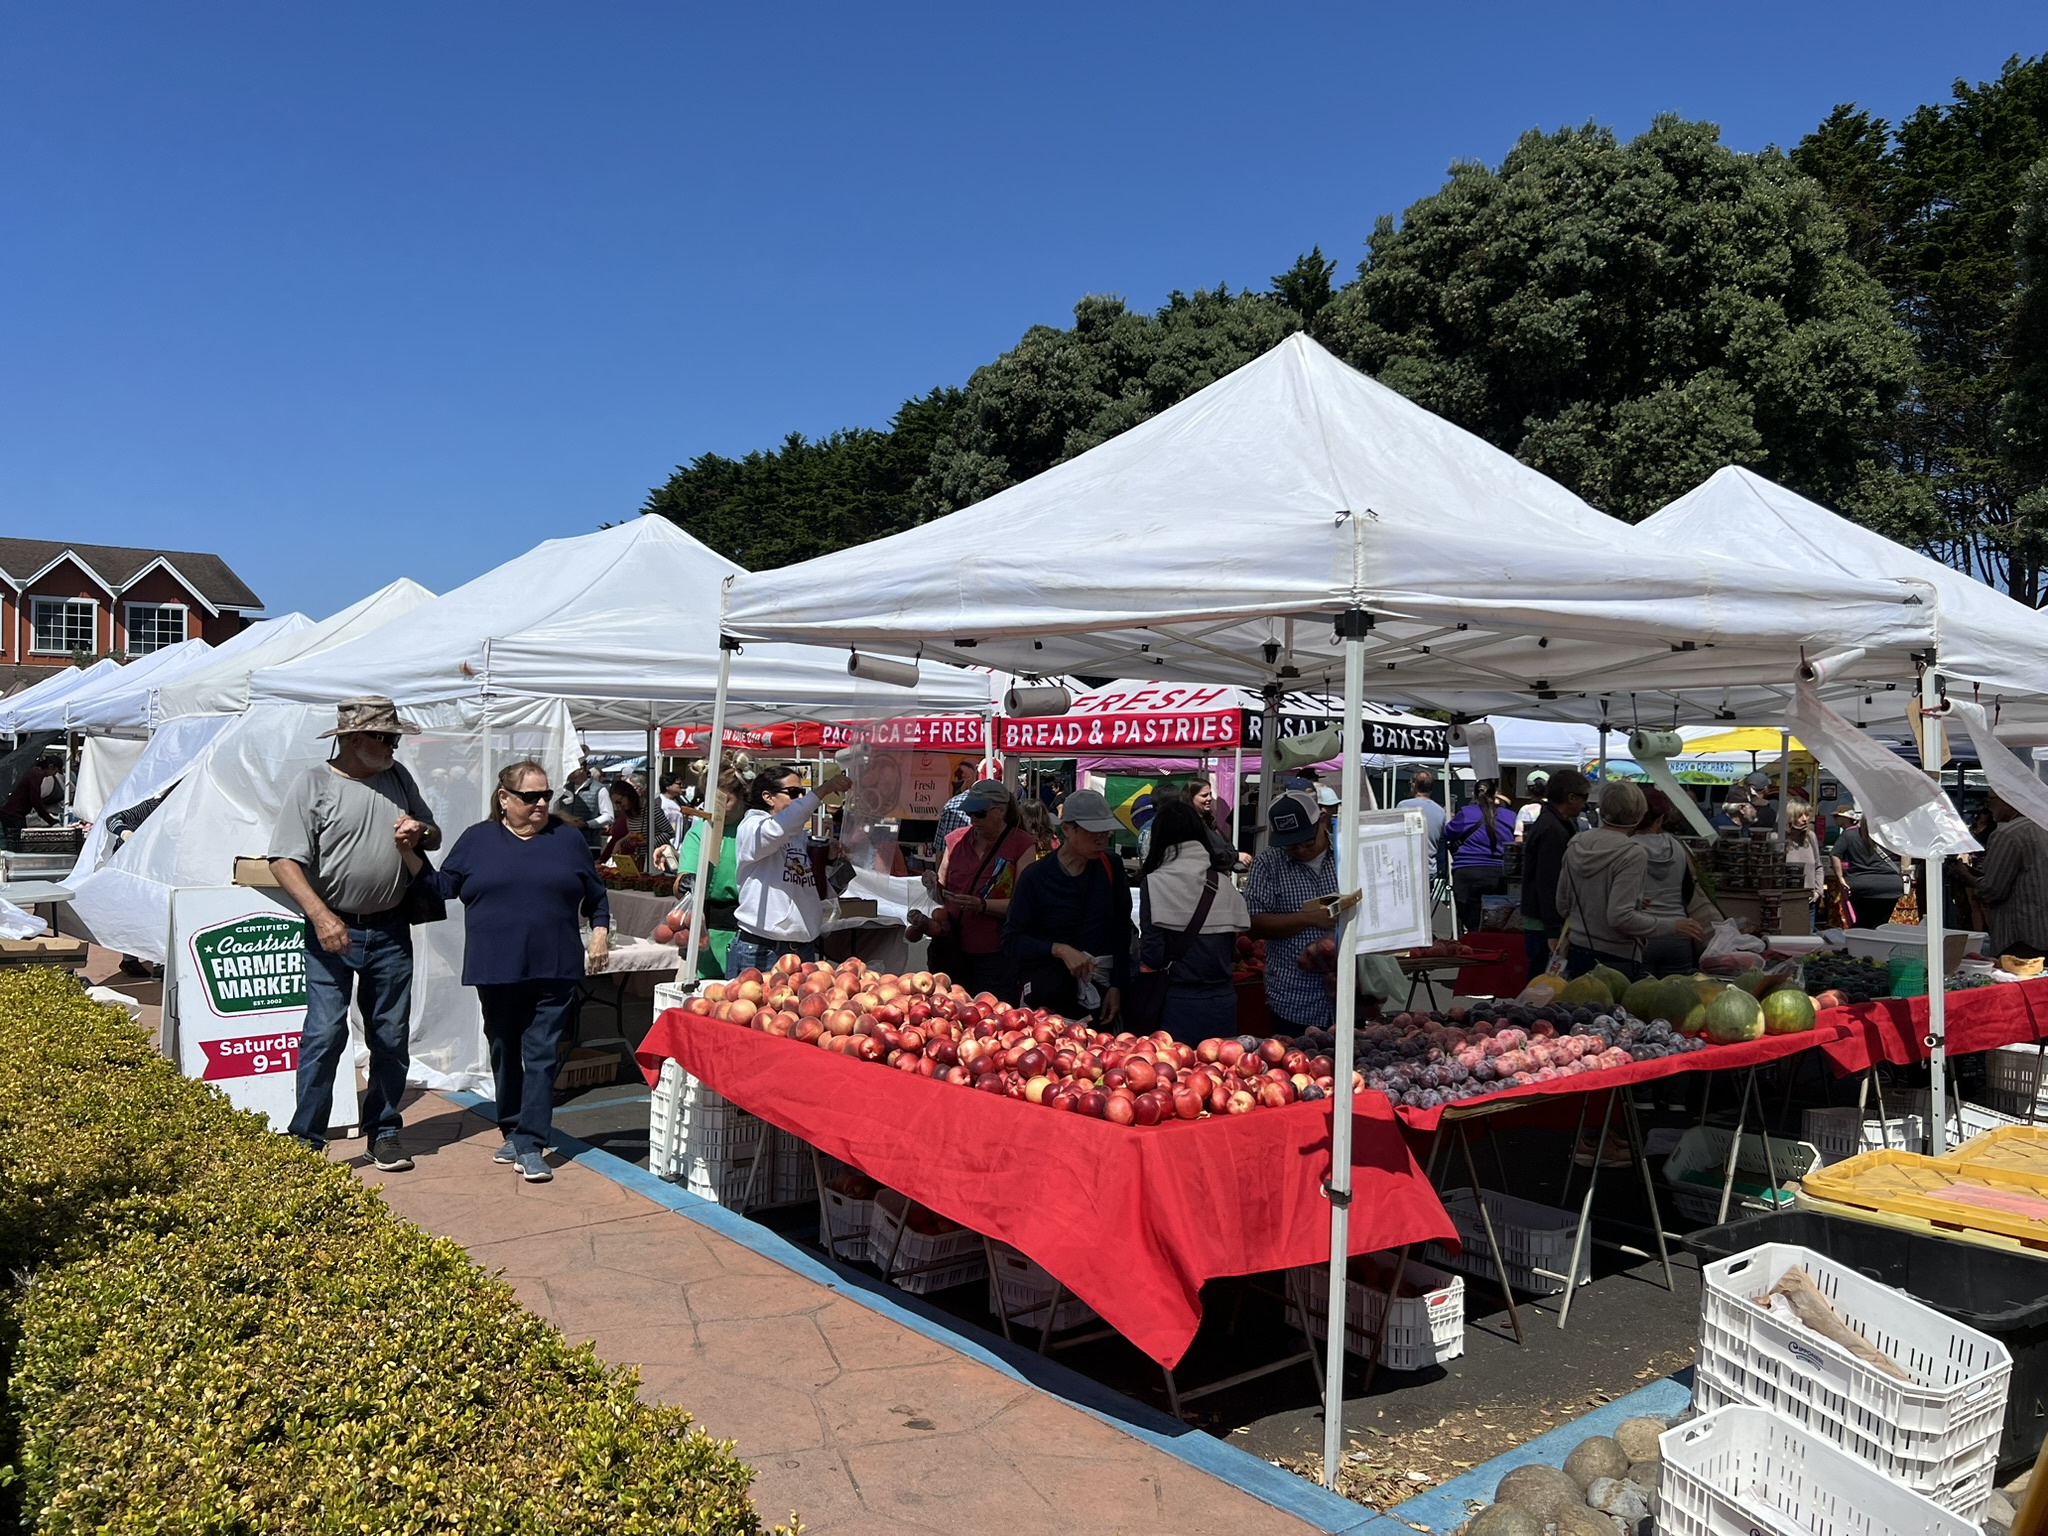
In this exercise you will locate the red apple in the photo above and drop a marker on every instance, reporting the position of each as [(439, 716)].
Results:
[(1148, 1107), (1272, 1052), (1276, 1095), (1228, 1053), (1140, 1073), (1187, 1104), (1093, 1103), (1241, 1103), (959, 1076), (1121, 1110)]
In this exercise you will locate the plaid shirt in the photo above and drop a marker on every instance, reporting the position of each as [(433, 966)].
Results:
[(1281, 883), (952, 817)]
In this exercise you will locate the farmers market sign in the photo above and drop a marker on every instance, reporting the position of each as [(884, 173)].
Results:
[(1382, 738), (252, 964)]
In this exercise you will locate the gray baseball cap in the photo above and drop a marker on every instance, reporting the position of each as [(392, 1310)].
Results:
[(1086, 809)]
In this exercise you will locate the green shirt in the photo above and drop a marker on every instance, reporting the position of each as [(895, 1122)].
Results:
[(724, 886)]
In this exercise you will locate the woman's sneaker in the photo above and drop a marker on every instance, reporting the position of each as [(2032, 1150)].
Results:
[(534, 1169), (388, 1155), (507, 1154)]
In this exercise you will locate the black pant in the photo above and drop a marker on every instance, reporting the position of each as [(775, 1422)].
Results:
[(1469, 882), (994, 974), (524, 1021), (1873, 910)]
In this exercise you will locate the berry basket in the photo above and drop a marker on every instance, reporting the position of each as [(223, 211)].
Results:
[(1745, 1470), (1535, 1242), (1936, 1433), (1427, 1328), (1699, 1162), (1840, 1133)]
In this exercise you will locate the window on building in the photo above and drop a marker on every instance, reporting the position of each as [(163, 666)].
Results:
[(152, 626), (63, 625)]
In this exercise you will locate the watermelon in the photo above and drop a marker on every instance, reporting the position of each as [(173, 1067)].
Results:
[(1694, 1021), (1587, 991), (1608, 977), (1646, 999), (1788, 1011), (1733, 1017)]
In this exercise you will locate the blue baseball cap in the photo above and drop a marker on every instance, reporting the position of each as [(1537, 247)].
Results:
[(1292, 819)]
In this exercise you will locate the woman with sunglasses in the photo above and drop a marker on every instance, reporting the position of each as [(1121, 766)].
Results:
[(526, 884), (782, 887)]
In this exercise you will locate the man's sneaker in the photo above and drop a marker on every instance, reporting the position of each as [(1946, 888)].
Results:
[(388, 1155), (534, 1168), (506, 1154)]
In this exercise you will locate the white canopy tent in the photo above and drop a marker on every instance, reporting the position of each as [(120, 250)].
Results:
[(1225, 538), (132, 710), (59, 685), (221, 687), (120, 689)]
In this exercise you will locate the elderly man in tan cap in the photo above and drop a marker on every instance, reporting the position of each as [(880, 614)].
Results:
[(339, 852)]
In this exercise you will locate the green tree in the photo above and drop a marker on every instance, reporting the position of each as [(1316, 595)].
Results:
[(1933, 207), (1628, 318), (2023, 414), (809, 497), (1305, 286), (1058, 393)]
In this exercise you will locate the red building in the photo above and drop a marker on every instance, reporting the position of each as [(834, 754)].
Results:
[(59, 601)]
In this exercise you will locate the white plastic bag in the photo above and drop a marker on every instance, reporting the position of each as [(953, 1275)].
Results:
[(1731, 952)]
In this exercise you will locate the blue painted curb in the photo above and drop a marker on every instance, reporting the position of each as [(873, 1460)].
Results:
[(1443, 1508), (1250, 1474)]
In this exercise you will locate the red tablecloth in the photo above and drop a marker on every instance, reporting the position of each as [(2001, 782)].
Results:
[(1131, 1219), (1715, 1058), (2009, 1013), (1503, 971)]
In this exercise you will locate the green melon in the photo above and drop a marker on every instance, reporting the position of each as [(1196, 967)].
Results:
[(1788, 1011), (1694, 1021), (1646, 998), (1608, 977), (1586, 991), (1734, 1017)]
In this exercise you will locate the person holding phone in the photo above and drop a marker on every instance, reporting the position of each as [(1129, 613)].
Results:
[(781, 907), (1291, 894)]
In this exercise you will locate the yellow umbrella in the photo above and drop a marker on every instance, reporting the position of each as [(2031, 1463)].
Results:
[(1751, 738)]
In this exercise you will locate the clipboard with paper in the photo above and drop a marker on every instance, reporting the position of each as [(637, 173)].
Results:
[(1393, 911)]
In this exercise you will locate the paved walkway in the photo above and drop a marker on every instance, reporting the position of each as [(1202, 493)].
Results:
[(853, 1420)]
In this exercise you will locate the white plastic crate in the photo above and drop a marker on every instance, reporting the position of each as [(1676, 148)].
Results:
[(1535, 1241), (1425, 1330), (703, 1141), (1975, 1118), (1937, 1434), (1025, 1291), (1703, 1153), (1741, 1470), (1840, 1133), (2017, 1077), (851, 1220), (922, 1262)]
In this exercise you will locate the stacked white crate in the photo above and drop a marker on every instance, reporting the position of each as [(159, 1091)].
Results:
[(1426, 1329), (1936, 1434), (700, 1139), (922, 1262)]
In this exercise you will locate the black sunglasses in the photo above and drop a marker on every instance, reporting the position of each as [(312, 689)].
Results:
[(527, 796)]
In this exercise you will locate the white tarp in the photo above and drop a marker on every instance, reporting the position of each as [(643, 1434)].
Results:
[(171, 750), (104, 763), (1982, 637), (1905, 809), (227, 807), (1214, 541), (622, 623), (52, 690), (221, 687), (2013, 781)]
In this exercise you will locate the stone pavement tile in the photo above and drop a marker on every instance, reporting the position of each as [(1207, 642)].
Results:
[(813, 1483), (764, 1417), (948, 1397), (646, 1343), (659, 1246), (754, 1296), (582, 1301), (1039, 1430), (862, 1341), (785, 1349), (958, 1483), (1192, 1503)]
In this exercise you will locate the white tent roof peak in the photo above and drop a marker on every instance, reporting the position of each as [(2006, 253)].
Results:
[(1981, 635), (622, 623), (222, 686), (1246, 515)]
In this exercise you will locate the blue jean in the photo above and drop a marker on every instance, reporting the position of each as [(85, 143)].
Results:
[(746, 954), (524, 1021), (377, 969)]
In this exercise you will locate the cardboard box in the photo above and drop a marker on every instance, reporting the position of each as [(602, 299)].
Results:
[(255, 873), (46, 949)]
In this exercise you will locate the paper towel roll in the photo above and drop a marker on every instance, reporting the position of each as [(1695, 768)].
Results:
[(1476, 737), (1651, 749)]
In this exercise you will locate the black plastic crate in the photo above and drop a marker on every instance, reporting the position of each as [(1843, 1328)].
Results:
[(1997, 1291)]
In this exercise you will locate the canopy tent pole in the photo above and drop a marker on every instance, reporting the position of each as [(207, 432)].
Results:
[(486, 778), (1353, 625), (1785, 784), (1269, 746), (1236, 789), (713, 768), (1935, 918), (652, 798)]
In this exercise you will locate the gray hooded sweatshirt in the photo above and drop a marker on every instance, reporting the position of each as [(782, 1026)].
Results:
[(1664, 880), (1601, 895)]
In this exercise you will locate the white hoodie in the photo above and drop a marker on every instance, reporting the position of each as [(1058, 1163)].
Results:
[(778, 887)]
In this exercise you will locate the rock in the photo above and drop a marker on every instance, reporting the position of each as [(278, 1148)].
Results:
[(1638, 1438), (1598, 1457), (1998, 1515), (1577, 1520), (1504, 1520), (1541, 1490), (1620, 1498), (1644, 1472)]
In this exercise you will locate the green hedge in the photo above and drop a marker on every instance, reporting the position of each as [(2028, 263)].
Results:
[(208, 1328)]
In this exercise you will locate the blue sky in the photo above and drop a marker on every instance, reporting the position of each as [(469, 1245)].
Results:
[(356, 291)]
